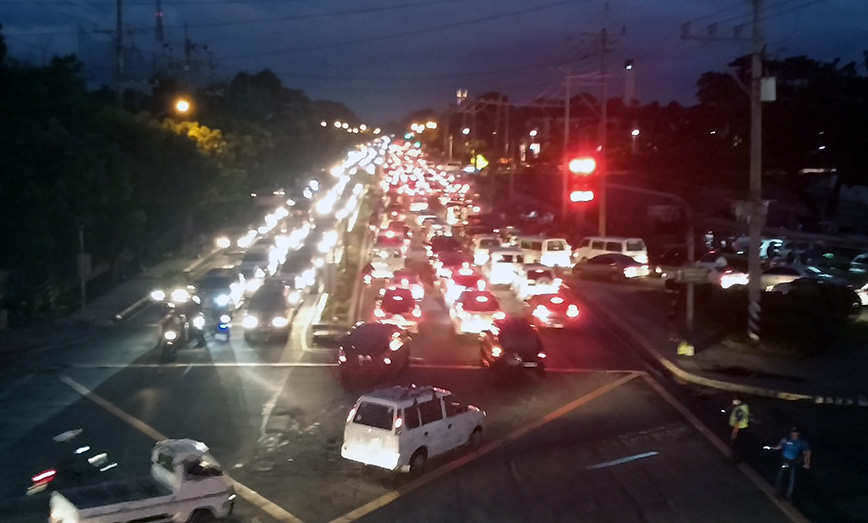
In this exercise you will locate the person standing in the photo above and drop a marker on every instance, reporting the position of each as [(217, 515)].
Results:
[(794, 451), (739, 420)]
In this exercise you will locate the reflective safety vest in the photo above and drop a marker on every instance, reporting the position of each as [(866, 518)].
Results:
[(740, 416)]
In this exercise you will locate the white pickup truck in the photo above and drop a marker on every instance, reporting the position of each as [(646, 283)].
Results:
[(186, 485)]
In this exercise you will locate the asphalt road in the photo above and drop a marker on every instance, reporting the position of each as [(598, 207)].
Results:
[(593, 441)]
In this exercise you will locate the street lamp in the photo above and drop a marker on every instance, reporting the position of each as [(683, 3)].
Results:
[(533, 133), (633, 134), (465, 131), (431, 125), (182, 105)]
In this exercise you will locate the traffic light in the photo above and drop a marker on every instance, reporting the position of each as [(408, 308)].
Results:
[(581, 182)]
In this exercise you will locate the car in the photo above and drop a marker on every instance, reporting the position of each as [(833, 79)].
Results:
[(407, 279), (449, 262), (221, 288), (300, 273), (398, 307), (440, 244), (475, 311), (669, 260), (613, 267), (401, 428), (373, 351), (555, 311), (481, 245), (533, 279), (512, 344), (462, 279), (724, 271), (596, 245), (787, 273), (269, 313)]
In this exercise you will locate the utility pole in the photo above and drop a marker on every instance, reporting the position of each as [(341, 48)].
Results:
[(602, 168), (119, 53), (756, 209)]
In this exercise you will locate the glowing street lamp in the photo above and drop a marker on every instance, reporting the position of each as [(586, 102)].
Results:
[(533, 133), (182, 105), (633, 134), (465, 131), (431, 125)]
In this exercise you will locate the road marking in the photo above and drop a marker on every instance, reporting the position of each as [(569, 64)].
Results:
[(760, 483), (619, 461), (392, 495), (245, 492)]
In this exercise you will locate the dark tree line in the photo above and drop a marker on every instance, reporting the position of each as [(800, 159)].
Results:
[(138, 183)]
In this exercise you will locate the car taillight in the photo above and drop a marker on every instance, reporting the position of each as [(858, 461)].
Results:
[(417, 312), (387, 360), (379, 313), (572, 311), (44, 477), (499, 315), (541, 355), (399, 422), (496, 351)]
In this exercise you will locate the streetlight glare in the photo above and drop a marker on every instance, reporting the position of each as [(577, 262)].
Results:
[(465, 131), (182, 106), (431, 125), (635, 132)]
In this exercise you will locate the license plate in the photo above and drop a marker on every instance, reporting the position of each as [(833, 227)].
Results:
[(529, 364)]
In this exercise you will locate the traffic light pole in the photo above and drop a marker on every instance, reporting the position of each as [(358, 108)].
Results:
[(565, 186), (691, 247)]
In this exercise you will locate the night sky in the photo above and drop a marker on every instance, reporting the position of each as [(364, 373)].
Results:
[(384, 58)]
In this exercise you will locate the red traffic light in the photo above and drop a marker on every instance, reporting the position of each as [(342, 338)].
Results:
[(581, 196), (584, 165)]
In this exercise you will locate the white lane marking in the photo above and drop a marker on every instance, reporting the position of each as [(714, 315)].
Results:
[(245, 492), (315, 365), (391, 496), (620, 461)]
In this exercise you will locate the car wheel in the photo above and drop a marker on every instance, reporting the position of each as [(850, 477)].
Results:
[(202, 516), (417, 461), (475, 439)]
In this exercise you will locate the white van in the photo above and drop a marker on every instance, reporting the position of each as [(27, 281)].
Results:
[(481, 244), (503, 265), (400, 428), (597, 245), (551, 252), (386, 260)]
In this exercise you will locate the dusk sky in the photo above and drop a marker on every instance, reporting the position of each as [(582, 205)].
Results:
[(384, 58)]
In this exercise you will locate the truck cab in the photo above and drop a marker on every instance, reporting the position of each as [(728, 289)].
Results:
[(186, 485)]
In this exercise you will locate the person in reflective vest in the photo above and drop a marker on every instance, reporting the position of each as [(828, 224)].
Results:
[(739, 420)]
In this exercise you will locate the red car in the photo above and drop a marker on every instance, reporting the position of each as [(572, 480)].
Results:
[(558, 311)]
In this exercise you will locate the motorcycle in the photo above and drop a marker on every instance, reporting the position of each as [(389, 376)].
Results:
[(222, 327)]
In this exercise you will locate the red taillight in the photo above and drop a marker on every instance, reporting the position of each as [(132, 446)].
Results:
[(387, 361), (45, 477), (417, 312), (399, 422), (541, 355)]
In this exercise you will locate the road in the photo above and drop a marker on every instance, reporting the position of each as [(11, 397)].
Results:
[(595, 440)]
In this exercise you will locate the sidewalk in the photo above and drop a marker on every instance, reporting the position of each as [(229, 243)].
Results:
[(834, 377), (101, 313)]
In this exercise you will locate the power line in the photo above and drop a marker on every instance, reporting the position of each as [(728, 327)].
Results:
[(414, 32)]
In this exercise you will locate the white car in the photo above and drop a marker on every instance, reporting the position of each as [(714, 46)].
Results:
[(481, 246), (400, 428), (475, 312), (722, 271), (535, 279)]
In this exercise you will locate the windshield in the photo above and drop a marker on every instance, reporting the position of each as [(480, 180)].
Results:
[(556, 246), (374, 415), (270, 301), (635, 245), (215, 282), (540, 274), (254, 257)]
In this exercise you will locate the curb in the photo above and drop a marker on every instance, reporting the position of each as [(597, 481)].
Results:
[(857, 399)]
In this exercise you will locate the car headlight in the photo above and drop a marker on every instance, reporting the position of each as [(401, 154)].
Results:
[(158, 295), (222, 242), (221, 300), (199, 322), (180, 295), (279, 322), (171, 335), (250, 322)]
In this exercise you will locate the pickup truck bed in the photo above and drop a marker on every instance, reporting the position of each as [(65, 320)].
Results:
[(110, 493)]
